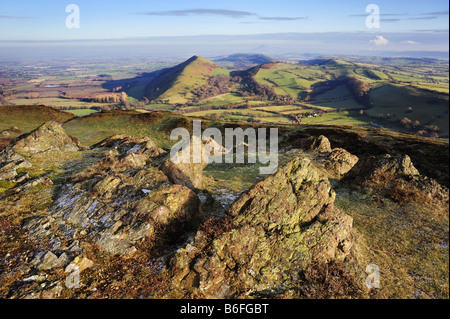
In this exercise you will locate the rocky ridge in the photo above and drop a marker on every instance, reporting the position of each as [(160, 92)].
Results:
[(124, 191)]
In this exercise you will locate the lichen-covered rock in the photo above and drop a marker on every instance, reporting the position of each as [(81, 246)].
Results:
[(184, 169), (340, 161), (125, 145), (279, 227), (116, 201), (374, 166), (7, 155), (49, 136), (319, 144), (396, 177), (49, 261)]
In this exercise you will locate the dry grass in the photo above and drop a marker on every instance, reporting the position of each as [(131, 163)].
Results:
[(16, 249), (328, 281), (118, 277), (408, 242)]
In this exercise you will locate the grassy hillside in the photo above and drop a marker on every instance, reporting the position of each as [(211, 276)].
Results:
[(290, 80), (176, 84), (396, 102), (27, 118), (94, 128)]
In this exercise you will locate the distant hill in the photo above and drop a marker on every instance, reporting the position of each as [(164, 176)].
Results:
[(397, 93), (27, 118), (242, 61), (175, 84), (18, 119), (379, 60)]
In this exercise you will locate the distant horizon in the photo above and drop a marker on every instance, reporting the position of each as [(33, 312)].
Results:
[(319, 43)]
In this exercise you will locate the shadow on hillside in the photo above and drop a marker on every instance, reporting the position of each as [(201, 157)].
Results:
[(134, 87)]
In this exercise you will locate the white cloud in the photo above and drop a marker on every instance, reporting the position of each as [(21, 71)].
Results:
[(410, 42), (380, 40)]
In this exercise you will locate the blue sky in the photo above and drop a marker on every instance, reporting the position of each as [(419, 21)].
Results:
[(44, 20)]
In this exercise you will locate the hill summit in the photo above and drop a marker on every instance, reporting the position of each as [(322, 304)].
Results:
[(175, 84)]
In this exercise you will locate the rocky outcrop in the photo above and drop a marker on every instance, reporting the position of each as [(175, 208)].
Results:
[(371, 168), (49, 136), (275, 230), (396, 177), (319, 144), (340, 161), (184, 169), (12, 131), (117, 201), (9, 168), (113, 195)]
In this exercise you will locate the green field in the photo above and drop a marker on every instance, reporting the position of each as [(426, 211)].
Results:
[(82, 112), (223, 99), (427, 107), (56, 102), (290, 80), (285, 109), (338, 97), (242, 115), (338, 118)]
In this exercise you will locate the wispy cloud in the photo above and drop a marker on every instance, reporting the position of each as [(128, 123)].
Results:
[(409, 42), (219, 12), (390, 20), (192, 12), (12, 17), (383, 15), (406, 16), (424, 18), (433, 30), (437, 13), (283, 18)]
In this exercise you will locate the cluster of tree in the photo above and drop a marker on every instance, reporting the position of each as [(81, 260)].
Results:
[(409, 124), (32, 95), (219, 84), (359, 90), (117, 98), (250, 87), (419, 129), (237, 105), (103, 77), (227, 113), (67, 108)]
